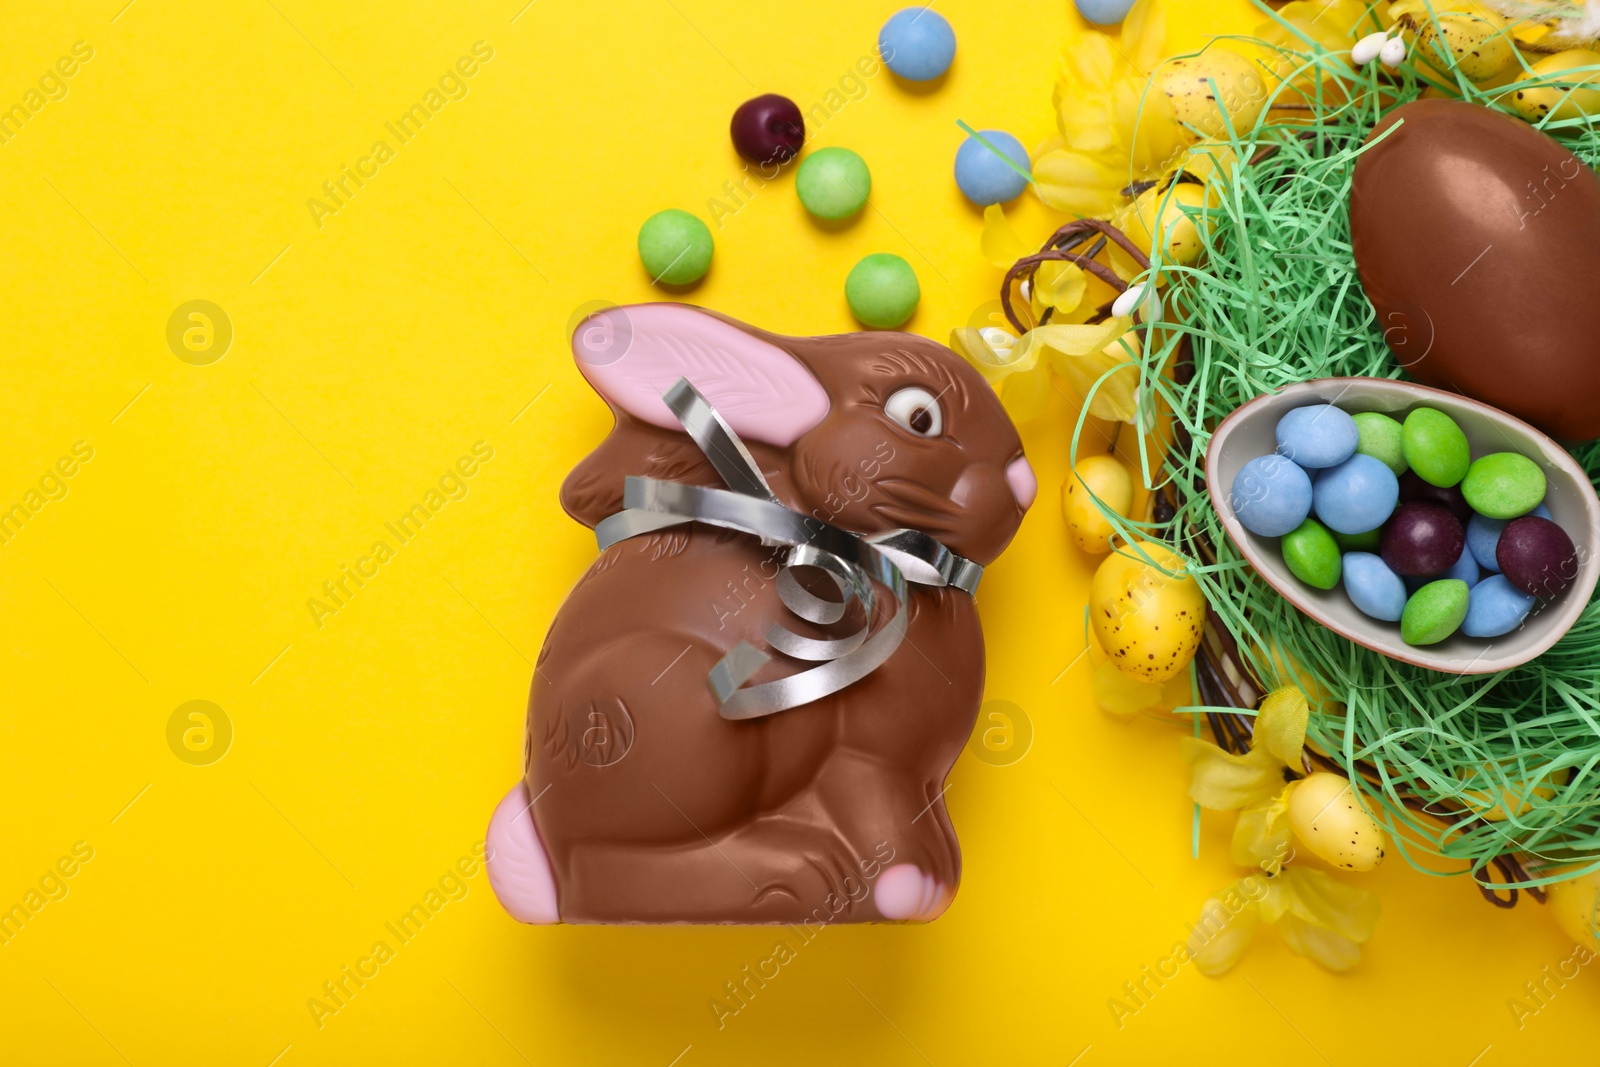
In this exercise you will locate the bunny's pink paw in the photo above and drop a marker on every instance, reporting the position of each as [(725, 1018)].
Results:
[(519, 867), (904, 892)]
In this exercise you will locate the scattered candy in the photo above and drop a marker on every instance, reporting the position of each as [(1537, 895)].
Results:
[(1434, 612), (917, 44), (1496, 607), (1101, 477), (1104, 12), (1380, 439), (1316, 436), (768, 129), (675, 247), (833, 183), (1422, 540), (1483, 537), (882, 290), (1312, 554), (1503, 485), (1414, 490), (1271, 496), (1356, 496), (1435, 447), (1537, 556), (982, 176), (1373, 588)]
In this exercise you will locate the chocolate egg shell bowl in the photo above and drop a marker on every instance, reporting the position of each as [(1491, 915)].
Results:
[(1490, 775)]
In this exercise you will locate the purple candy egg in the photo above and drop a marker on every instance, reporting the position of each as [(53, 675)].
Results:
[(1414, 489), (1537, 556), (1421, 540)]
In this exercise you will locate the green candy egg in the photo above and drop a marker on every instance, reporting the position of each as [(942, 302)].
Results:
[(833, 183), (675, 247), (1312, 554), (1435, 447), (1380, 438), (1503, 485), (1361, 542), (1434, 612), (882, 290)]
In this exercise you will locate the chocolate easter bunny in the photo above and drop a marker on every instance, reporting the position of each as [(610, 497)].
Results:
[(646, 798)]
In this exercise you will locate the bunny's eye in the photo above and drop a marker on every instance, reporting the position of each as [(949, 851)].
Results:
[(917, 410)]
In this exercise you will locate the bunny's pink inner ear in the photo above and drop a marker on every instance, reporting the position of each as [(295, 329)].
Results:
[(631, 355)]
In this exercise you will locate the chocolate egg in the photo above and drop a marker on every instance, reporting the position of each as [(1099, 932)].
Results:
[(1477, 238)]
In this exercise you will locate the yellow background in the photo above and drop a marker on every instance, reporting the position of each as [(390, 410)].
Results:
[(368, 354)]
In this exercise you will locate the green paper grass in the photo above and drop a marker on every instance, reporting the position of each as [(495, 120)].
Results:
[(1276, 300)]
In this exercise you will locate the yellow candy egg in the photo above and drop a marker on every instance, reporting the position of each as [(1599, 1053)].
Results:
[(1329, 820), (1148, 622), (1096, 476), (1160, 210), (1561, 98), (1200, 88), (1575, 906)]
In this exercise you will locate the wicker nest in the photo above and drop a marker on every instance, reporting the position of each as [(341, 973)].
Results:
[(1223, 675)]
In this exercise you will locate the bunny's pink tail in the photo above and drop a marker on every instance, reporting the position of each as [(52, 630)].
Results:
[(519, 867)]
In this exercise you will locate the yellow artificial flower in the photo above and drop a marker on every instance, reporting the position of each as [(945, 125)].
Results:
[(1019, 368), (1098, 362), (1317, 916), (1000, 243), (1115, 128), (1057, 285)]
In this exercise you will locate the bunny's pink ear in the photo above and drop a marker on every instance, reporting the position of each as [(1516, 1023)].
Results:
[(631, 355)]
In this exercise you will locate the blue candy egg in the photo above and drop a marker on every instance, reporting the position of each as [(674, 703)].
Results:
[(983, 176), (1105, 12), (1483, 537), (1319, 435), (1372, 587), (1464, 569), (1271, 496), (917, 44), (1356, 496), (1496, 607)]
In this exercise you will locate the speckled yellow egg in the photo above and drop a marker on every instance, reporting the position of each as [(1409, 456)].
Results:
[(1575, 906), (1473, 36), (1148, 622), (1201, 88), (1329, 820), (1160, 210), (1561, 98), (1095, 476)]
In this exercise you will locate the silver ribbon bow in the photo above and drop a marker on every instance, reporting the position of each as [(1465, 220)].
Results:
[(854, 563)]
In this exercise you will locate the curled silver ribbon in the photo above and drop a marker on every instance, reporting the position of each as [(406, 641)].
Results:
[(855, 564)]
